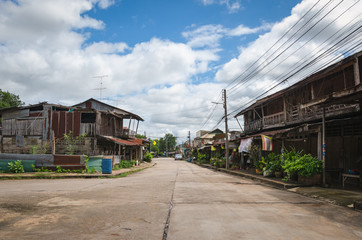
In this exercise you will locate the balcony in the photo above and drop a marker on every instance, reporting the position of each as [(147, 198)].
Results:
[(128, 133), (295, 114)]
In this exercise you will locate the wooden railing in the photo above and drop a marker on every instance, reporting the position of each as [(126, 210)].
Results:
[(297, 114), (274, 119), (255, 125)]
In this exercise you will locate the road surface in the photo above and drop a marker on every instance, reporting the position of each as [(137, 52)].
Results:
[(172, 200)]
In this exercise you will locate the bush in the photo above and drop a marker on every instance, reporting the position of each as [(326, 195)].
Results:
[(306, 166), (220, 162), (148, 157), (127, 164), (273, 163), (16, 167), (201, 158)]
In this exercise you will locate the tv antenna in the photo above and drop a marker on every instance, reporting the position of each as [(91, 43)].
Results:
[(101, 85)]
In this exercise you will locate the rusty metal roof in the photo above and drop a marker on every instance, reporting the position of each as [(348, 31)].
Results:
[(122, 142)]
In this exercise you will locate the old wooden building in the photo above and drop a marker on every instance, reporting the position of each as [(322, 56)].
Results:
[(329, 102), (96, 128)]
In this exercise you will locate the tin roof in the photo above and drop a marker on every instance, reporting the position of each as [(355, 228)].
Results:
[(122, 142)]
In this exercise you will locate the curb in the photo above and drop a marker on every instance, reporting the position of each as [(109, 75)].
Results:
[(48, 175), (272, 182)]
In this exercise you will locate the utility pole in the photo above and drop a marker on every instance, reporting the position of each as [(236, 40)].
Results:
[(226, 131), (190, 144), (166, 148)]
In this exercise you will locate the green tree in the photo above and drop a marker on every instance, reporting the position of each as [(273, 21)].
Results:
[(167, 143), (8, 99), (140, 136), (154, 147)]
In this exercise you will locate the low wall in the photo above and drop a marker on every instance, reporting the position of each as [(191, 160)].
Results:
[(41, 160)]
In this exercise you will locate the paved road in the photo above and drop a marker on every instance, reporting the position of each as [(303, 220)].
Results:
[(205, 205)]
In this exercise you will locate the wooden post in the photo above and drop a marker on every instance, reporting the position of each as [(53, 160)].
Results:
[(226, 133), (53, 141), (285, 109), (357, 79), (324, 144)]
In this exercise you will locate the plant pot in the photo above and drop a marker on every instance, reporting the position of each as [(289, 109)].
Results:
[(278, 174), (312, 180), (257, 171)]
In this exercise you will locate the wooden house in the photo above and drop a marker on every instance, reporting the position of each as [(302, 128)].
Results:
[(329, 102), (102, 127)]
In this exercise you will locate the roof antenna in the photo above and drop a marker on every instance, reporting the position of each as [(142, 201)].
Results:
[(101, 85)]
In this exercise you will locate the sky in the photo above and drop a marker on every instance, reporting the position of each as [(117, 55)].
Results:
[(168, 60)]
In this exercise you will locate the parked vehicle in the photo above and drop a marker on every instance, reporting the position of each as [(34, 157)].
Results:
[(178, 156)]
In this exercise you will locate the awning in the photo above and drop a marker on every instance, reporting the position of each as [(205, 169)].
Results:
[(122, 142)]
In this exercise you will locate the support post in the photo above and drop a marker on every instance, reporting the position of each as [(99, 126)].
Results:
[(324, 144), (226, 131), (357, 79)]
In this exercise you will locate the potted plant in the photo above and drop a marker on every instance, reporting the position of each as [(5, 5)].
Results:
[(259, 165), (307, 168)]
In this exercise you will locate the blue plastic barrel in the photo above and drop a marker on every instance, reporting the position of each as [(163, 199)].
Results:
[(107, 165)]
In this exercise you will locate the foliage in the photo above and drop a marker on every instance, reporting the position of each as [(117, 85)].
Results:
[(260, 164), (254, 154), (140, 136), (219, 162), (42, 169), (126, 163), (273, 163), (167, 143), (16, 167), (194, 153), (148, 157), (71, 142), (8, 99), (35, 149), (59, 169), (201, 158), (155, 148), (305, 165)]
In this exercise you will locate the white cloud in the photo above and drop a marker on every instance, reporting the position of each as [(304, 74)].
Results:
[(45, 58), (285, 57), (233, 6), (210, 35)]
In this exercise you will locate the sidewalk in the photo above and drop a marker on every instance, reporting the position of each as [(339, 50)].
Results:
[(351, 198), (53, 175)]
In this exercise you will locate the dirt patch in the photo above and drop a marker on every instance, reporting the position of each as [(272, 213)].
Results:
[(17, 207), (64, 202), (30, 222)]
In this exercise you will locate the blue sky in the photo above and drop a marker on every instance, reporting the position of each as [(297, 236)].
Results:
[(167, 61)]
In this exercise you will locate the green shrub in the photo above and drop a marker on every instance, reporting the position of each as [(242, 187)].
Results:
[(42, 169), (127, 164), (220, 162), (148, 157), (59, 169), (16, 167), (201, 158), (306, 166), (273, 163)]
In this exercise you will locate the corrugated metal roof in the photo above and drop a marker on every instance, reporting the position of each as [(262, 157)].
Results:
[(122, 141)]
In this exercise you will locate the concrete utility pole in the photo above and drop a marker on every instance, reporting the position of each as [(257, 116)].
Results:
[(226, 131)]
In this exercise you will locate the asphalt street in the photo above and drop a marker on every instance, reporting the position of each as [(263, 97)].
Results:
[(172, 200)]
